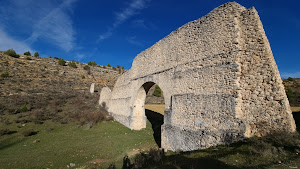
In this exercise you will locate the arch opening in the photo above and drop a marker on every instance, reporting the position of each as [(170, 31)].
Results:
[(150, 104)]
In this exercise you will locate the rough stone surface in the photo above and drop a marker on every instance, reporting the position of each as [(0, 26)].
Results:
[(219, 79), (92, 88)]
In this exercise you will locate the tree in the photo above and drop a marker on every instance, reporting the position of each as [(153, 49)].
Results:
[(157, 91), (62, 62), (27, 53), (11, 53), (86, 67), (72, 64), (290, 79), (93, 63), (118, 66), (36, 54)]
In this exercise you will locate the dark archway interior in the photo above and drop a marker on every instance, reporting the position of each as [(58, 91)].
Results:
[(155, 118)]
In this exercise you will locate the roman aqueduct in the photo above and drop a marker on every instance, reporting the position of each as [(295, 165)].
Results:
[(219, 78)]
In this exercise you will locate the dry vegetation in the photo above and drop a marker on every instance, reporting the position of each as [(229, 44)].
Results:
[(292, 89)]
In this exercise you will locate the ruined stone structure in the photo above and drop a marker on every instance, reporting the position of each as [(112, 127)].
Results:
[(219, 78)]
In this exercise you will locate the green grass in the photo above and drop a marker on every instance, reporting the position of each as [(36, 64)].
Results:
[(107, 142)]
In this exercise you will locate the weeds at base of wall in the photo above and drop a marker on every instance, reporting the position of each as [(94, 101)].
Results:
[(276, 147)]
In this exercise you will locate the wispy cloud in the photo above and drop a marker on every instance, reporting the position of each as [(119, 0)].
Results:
[(8, 42), (56, 27), (79, 56), (140, 23), (134, 41), (132, 9), (46, 20), (290, 74)]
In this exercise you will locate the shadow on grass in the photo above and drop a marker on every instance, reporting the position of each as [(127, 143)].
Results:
[(9, 142), (156, 120)]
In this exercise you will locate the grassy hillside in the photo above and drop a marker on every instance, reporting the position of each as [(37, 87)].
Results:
[(292, 88)]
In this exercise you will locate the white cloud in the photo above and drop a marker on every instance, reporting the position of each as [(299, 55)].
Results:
[(123, 16), (134, 41), (7, 42), (79, 57), (56, 26), (290, 74), (46, 20)]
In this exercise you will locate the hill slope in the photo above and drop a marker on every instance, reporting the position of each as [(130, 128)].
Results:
[(38, 82)]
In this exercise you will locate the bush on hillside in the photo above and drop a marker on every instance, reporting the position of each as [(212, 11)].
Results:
[(56, 58), (108, 65), (24, 108), (29, 132), (36, 54), (72, 64), (11, 53), (290, 79), (62, 62), (86, 67), (28, 58), (27, 53), (157, 91), (6, 132), (93, 63), (5, 75), (118, 66)]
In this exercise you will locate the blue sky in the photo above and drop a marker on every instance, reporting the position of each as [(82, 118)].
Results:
[(115, 31)]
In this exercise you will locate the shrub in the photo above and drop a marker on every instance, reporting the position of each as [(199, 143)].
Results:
[(93, 63), (104, 67), (56, 58), (274, 144), (28, 58), (118, 66), (114, 68), (29, 132), (22, 109), (144, 159), (157, 91), (36, 54), (123, 67), (290, 79), (11, 53), (50, 57), (5, 75), (72, 64), (82, 77), (62, 62), (77, 62), (6, 132), (27, 53), (86, 67), (120, 71), (108, 65)]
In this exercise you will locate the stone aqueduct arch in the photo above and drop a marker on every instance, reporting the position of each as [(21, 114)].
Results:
[(219, 78)]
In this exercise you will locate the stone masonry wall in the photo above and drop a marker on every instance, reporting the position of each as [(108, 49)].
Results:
[(219, 79)]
